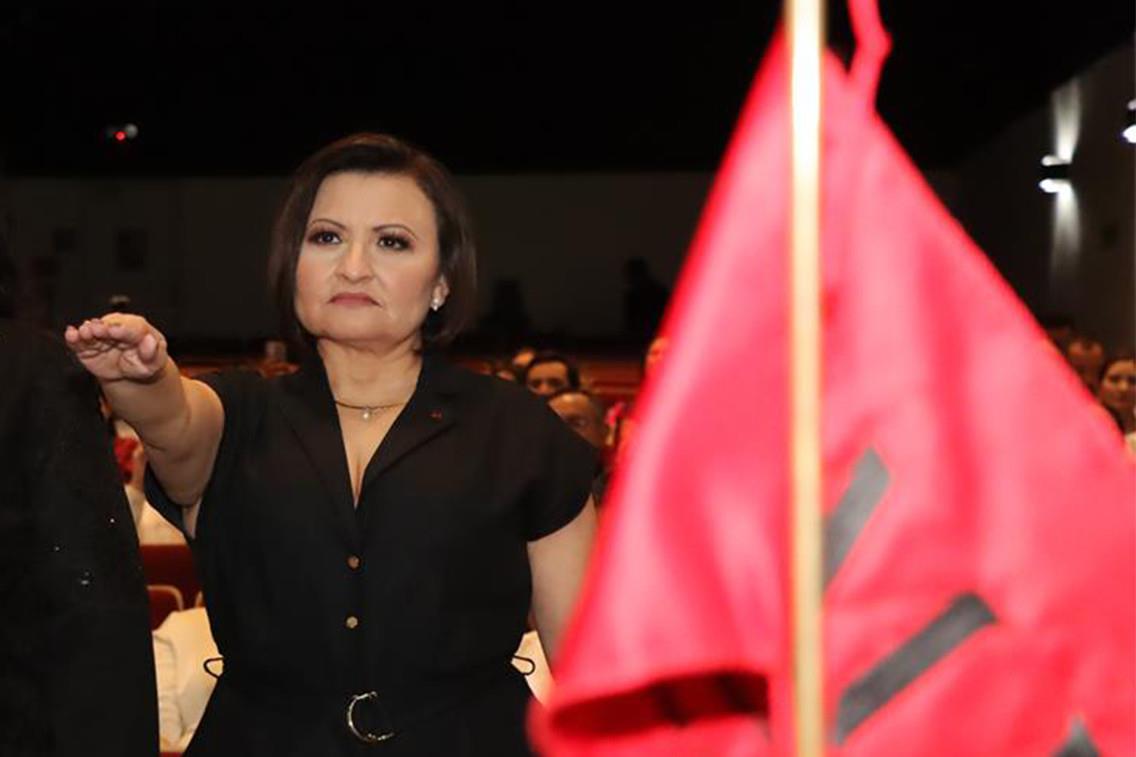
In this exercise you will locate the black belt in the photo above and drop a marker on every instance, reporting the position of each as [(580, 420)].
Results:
[(375, 715)]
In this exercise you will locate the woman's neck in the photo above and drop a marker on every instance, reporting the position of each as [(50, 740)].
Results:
[(366, 375)]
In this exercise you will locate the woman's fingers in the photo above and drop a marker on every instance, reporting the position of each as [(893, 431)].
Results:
[(93, 330), (82, 337), (147, 348), (99, 332), (118, 346), (130, 332)]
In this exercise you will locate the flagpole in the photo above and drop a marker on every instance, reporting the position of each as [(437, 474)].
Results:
[(805, 23)]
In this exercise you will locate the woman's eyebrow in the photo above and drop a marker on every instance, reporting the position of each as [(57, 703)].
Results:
[(396, 226), (327, 220)]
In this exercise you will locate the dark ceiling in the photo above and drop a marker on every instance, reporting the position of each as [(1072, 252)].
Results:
[(236, 88)]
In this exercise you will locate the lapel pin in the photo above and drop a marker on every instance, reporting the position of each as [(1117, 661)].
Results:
[(436, 415)]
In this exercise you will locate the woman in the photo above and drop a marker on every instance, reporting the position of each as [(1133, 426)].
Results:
[(369, 531), (1118, 389)]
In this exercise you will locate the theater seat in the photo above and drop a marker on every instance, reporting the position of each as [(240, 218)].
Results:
[(171, 565), (164, 599)]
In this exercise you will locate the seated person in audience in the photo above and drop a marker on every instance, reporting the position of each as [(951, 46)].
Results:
[(550, 372), (654, 356), (274, 361), (1117, 390), (584, 414), (620, 419), (503, 369), (1086, 356), (521, 359)]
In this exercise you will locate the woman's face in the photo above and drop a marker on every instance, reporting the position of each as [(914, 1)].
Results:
[(1118, 386), (368, 269), (655, 354)]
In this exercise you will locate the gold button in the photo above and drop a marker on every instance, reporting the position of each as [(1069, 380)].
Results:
[(352, 622), (353, 562)]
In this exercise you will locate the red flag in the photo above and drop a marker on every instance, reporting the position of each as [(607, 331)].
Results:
[(981, 528)]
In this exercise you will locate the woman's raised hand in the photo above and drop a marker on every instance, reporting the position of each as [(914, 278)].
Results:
[(118, 347)]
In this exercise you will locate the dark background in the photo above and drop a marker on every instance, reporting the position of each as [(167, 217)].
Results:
[(249, 89)]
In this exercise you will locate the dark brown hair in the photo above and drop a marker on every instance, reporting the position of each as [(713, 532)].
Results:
[(379, 154), (549, 356)]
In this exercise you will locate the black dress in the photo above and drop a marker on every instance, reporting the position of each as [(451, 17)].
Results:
[(76, 660), (419, 595)]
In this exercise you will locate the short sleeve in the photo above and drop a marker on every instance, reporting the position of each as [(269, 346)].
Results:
[(241, 393), (566, 466)]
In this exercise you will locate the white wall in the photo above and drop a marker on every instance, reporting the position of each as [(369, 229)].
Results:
[(1073, 253)]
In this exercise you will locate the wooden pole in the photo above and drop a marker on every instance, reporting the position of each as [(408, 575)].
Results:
[(805, 24)]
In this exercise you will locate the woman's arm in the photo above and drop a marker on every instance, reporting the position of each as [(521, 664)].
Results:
[(179, 420), (558, 562)]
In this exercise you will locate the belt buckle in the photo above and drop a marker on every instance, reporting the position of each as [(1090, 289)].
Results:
[(367, 737)]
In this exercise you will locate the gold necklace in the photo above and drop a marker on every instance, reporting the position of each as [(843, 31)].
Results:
[(369, 410)]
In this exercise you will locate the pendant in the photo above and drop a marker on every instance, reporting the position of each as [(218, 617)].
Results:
[(367, 413)]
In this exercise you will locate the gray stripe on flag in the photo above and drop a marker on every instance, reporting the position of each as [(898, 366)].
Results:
[(1079, 743), (869, 482), (862, 699)]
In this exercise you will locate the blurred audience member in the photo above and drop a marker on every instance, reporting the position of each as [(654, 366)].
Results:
[(655, 353), (619, 418), (1086, 356), (503, 369), (520, 361), (549, 373), (584, 414), (274, 360), (1117, 390)]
